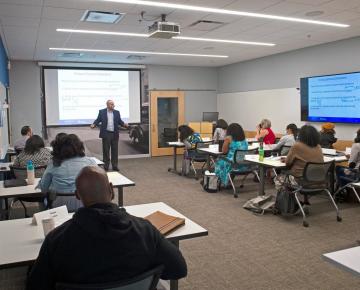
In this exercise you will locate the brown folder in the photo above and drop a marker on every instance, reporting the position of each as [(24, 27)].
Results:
[(165, 223)]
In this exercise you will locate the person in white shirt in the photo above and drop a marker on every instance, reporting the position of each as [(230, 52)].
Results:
[(26, 133), (220, 130), (287, 140)]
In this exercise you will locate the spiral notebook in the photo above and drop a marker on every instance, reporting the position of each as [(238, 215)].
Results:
[(165, 223)]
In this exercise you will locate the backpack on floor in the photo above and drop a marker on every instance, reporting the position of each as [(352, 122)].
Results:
[(260, 204), (285, 203), (211, 182)]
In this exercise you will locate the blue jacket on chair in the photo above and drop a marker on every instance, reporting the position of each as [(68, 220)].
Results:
[(102, 120)]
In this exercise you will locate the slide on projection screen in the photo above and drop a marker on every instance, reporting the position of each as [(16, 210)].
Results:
[(333, 98), (74, 96)]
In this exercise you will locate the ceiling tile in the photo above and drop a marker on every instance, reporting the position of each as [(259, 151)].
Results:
[(20, 10)]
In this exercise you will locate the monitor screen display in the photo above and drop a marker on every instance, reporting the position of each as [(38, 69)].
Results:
[(210, 116), (331, 98)]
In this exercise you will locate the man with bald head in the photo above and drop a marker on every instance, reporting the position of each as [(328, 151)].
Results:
[(102, 242), (109, 120)]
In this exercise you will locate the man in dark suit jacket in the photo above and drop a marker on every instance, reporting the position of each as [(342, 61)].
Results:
[(109, 121), (102, 242)]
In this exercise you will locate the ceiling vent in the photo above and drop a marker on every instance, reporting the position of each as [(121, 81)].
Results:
[(71, 54), (102, 17), (206, 25), (135, 57)]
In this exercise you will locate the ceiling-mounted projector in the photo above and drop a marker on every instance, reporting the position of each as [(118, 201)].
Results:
[(164, 29)]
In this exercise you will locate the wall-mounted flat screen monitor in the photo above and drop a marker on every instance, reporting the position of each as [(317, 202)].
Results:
[(331, 98), (210, 116)]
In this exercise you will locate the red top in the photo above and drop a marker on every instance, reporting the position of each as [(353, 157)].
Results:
[(270, 137)]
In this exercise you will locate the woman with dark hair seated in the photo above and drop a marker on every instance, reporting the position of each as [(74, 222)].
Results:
[(36, 152), (348, 174), (287, 140), (306, 149), (235, 140), (220, 130), (59, 177)]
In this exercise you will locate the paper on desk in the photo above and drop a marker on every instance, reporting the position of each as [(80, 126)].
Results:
[(57, 213), (213, 146), (348, 150)]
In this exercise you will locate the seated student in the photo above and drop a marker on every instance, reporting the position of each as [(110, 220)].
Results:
[(327, 135), (26, 133), (59, 177), (189, 138), (287, 140), (36, 152), (348, 174), (306, 149), (235, 140), (220, 130), (102, 242), (264, 132)]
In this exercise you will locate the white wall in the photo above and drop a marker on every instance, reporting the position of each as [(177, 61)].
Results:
[(199, 84), (25, 97), (285, 70)]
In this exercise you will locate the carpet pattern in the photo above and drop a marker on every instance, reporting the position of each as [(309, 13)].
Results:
[(243, 250)]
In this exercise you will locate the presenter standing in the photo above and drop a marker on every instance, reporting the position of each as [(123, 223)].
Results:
[(109, 121)]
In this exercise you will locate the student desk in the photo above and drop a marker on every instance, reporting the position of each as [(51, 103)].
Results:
[(21, 241), (175, 145), (211, 151), (269, 162), (348, 259), (118, 181)]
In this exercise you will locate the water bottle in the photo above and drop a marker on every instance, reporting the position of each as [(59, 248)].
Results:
[(30, 172), (261, 152)]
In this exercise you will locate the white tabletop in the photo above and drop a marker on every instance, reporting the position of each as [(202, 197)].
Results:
[(252, 140), (348, 259), (212, 150), (116, 178), (267, 147), (268, 161), (176, 144), (98, 162), (21, 241), (327, 151), (335, 158)]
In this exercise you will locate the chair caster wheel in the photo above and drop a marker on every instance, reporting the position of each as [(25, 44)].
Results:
[(242, 185), (236, 196), (305, 224), (196, 178), (169, 169), (339, 218)]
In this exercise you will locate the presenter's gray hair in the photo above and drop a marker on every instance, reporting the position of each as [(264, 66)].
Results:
[(265, 123)]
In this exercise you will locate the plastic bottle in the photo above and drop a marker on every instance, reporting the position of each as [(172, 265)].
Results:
[(261, 152), (30, 172)]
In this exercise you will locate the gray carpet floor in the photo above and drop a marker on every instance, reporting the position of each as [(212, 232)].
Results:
[(243, 250)]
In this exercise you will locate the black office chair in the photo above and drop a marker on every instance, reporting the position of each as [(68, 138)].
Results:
[(197, 156), (144, 281), (241, 167), (351, 182), (315, 181), (21, 173)]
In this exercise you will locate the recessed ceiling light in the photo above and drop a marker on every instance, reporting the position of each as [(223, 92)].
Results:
[(314, 13), (136, 52), (71, 54), (102, 17), (225, 11), (177, 37), (208, 48)]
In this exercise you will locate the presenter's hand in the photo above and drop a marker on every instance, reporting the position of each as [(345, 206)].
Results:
[(92, 126), (126, 126)]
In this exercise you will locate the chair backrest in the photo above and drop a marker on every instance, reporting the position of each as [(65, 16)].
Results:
[(239, 156), (203, 144), (317, 172), (284, 150), (21, 173), (145, 281)]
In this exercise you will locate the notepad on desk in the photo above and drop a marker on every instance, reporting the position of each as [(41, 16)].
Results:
[(165, 223)]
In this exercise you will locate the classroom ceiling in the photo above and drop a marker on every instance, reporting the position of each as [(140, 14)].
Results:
[(28, 29)]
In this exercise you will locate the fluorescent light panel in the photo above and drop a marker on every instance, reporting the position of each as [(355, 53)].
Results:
[(176, 37), (136, 52), (225, 11)]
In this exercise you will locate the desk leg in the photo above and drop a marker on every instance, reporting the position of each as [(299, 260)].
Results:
[(174, 284), (262, 180), (7, 210), (174, 169), (120, 196)]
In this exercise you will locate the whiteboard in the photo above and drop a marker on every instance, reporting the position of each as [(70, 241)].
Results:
[(280, 106), (4, 138)]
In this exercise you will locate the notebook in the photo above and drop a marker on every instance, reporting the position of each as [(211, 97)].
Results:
[(14, 182), (165, 223)]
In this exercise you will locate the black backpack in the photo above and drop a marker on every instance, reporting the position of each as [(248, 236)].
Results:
[(285, 203)]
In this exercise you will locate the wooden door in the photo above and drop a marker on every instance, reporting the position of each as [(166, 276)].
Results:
[(167, 113)]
